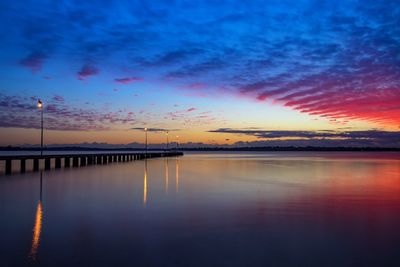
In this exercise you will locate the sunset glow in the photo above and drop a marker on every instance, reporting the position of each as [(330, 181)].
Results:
[(194, 68)]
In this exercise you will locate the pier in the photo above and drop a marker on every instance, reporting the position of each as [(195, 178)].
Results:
[(77, 160)]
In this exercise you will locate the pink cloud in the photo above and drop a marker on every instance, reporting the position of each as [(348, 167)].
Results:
[(86, 71), (194, 86), (128, 80), (197, 94), (335, 95), (33, 61), (191, 109), (58, 98)]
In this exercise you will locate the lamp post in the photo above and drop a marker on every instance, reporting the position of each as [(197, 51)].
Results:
[(40, 106), (177, 142), (145, 129), (167, 140)]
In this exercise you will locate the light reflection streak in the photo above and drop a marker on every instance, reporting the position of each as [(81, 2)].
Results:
[(145, 183), (166, 175), (37, 228), (176, 175)]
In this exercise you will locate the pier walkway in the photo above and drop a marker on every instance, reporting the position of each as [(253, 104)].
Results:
[(77, 160)]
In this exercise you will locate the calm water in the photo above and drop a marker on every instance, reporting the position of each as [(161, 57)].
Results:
[(233, 209)]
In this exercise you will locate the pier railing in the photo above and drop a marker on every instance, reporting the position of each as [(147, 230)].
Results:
[(77, 160)]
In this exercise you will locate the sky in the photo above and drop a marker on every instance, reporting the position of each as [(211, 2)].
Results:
[(212, 72)]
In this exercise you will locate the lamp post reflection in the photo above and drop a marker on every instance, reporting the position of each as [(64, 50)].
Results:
[(145, 183), (166, 175), (177, 175), (37, 228)]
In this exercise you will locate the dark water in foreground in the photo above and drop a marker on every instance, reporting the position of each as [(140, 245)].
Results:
[(237, 209)]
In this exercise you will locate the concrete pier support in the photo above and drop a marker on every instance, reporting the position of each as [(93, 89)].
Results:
[(58, 163), (67, 162), (23, 165), (75, 162), (83, 161), (47, 163), (8, 166), (35, 165)]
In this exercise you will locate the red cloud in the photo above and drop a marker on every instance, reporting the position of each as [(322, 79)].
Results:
[(128, 80), (86, 71), (363, 95)]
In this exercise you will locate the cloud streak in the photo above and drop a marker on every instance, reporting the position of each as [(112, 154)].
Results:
[(155, 129), (320, 138), (21, 112), (128, 80)]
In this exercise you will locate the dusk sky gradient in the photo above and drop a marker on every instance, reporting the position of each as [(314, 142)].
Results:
[(216, 72)]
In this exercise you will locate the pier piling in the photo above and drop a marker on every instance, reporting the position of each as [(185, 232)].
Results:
[(8, 166), (35, 164), (75, 162), (67, 162), (58, 163), (47, 163), (23, 165)]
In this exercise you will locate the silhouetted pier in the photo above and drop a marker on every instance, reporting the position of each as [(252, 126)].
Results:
[(77, 160)]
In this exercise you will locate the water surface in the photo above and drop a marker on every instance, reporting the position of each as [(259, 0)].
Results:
[(219, 209)]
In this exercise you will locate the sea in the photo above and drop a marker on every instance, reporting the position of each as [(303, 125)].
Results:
[(207, 209)]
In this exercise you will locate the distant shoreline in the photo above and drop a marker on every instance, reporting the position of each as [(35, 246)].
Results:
[(259, 149)]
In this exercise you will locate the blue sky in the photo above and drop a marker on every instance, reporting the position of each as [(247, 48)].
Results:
[(104, 67)]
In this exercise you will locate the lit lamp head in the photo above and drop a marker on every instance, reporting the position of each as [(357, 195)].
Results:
[(145, 129), (40, 104)]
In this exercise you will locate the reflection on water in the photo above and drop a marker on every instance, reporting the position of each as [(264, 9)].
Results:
[(36, 231), (177, 175), (145, 183), (166, 175), (255, 209), (38, 224)]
